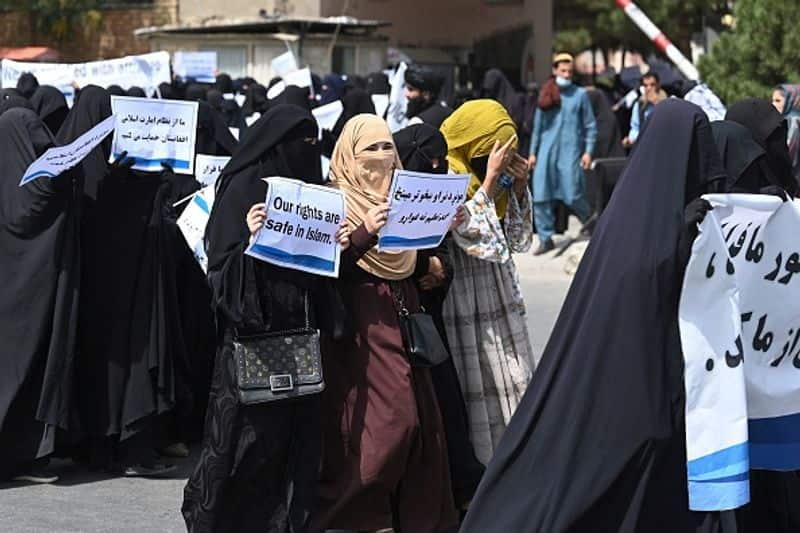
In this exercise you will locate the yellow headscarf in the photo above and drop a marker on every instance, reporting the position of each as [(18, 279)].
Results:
[(471, 132), (365, 176)]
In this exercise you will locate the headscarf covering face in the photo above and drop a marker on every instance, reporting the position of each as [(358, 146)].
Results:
[(770, 130), (738, 150), (224, 84), (332, 89), (471, 132), (294, 95), (419, 145), (213, 136), (195, 92), (116, 90), (256, 100), (51, 106), (364, 176), (136, 92), (10, 101), (355, 102)]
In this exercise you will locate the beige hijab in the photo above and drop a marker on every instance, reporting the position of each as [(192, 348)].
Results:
[(365, 176)]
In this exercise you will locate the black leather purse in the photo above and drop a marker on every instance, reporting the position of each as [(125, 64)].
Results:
[(273, 366), (421, 339)]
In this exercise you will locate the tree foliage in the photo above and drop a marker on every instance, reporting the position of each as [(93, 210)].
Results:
[(609, 27), (761, 51), (60, 19)]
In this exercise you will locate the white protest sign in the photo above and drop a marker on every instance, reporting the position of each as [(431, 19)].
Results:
[(381, 103), (396, 114), (284, 64), (276, 90), (193, 222), (146, 71), (301, 226), (327, 115), (300, 78), (234, 132), (199, 66), (62, 158), (155, 131), (207, 168), (422, 207), (739, 319)]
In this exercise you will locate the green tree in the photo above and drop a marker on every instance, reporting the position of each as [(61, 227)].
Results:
[(60, 19), (761, 51)]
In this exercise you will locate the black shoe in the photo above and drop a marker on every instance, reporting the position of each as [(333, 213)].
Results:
[(544, 247)]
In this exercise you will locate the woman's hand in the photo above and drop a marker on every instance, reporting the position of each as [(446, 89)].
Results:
[(376, 218), (520, 171), (256, 217), (435, 276), (343, 236), (499, 160), (459, 218)]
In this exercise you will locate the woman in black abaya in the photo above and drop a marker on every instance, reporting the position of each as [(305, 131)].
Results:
[(38, 296), (598, 442), (258, 466), (51, 106), (422, 148)]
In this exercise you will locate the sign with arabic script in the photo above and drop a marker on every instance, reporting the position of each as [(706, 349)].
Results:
[(155, 132), (422, 206)]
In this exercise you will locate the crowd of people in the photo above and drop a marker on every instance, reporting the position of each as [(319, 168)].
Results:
[(119, 348)]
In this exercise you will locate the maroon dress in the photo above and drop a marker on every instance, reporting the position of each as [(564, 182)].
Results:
[(384, 449)]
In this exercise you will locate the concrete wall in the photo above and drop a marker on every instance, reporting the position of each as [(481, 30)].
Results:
[(194, 10)]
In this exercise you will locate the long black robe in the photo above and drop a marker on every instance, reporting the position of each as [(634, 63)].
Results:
[(598, 442), (130, 337), (40, 267), (258, 466), (417, 147)]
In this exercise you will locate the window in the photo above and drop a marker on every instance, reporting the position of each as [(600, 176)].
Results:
[(231, 60)]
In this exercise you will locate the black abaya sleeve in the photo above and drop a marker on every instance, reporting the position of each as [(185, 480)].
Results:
[(32, 208), (361, 242)]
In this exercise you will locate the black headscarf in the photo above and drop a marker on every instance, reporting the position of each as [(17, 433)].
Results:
[(27, 84), (224, 84), (419, 145), (116, 90), (355, 102), (378, 83), (276, 148), (255, 100), (497, 87), (137, 92), (195, 92), (93, 106), (166, 91), (424, 79), (294, 95), (38, 296), (215, 99), (741, 155), (598, 441), (769, 129), (51, 106), (213, 136), (10, 101)]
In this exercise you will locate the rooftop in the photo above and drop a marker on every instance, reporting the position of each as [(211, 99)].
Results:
[(269, 24)]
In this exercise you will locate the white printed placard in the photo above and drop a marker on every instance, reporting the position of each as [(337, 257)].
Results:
[(327, 115), (422, 207), (284, 64), (155, 132), (145, 70), (209, 167), (739, 318), (62, 158), (381, 103), (193, 222), (199, 66), (301, 225)]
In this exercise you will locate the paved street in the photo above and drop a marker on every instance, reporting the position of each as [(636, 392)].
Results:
[(84, 502)]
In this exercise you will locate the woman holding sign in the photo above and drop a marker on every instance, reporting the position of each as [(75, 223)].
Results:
[(385, 459), (258, 465), (484, 312)]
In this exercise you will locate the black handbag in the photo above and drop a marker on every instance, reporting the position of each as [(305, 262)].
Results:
[(421, 339), (273, 366)]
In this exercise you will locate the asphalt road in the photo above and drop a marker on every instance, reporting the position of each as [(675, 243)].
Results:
[(86, 502)]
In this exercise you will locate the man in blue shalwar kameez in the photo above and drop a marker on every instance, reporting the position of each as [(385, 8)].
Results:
[(564, 135)]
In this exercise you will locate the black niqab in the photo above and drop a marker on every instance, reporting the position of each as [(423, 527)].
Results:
[(39, 294), (195, 92), (224, 84), (294, 95), (741, 156), (419, 145), (116, 90), (256, 100), (11, 101), (609, 138), (136, 92), (598, 441), (51, 106), (240, 186)]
